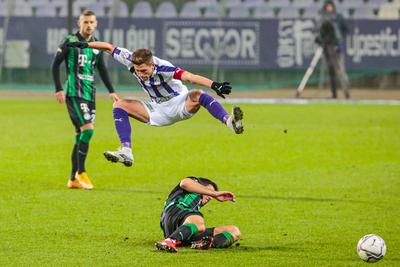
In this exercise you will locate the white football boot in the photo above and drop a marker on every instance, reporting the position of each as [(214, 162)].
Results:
[(235, 120), (123, 155)]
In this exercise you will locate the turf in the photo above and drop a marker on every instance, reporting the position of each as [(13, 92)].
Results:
[(310, 181)]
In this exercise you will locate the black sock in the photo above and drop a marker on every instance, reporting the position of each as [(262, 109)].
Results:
[(184, 232), (82, 153), (74, 159), (74, 156), (223, 240), (209, 232)]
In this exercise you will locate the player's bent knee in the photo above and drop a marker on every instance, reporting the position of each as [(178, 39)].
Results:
[(236, 233), (195, 95), (200, 228), (234, 230), (118, 104)]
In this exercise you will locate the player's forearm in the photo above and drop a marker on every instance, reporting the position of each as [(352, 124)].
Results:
[(194, 187), (109, 48), (196, 79), (56, 75)]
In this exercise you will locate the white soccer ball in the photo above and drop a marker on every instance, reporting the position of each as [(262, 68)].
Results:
[(371, 248)]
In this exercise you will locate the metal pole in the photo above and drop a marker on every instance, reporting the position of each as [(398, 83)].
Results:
[(70, 17)]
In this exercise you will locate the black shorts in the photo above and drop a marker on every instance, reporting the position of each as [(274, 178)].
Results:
[(173, 217), (80, 111)]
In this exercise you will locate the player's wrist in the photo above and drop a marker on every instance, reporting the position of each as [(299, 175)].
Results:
[(215, 85)]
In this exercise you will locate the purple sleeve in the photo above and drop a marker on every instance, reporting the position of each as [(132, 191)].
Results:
[(123, 56)]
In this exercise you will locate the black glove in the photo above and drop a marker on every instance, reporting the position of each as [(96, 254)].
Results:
[(221, 88), (80, 45)]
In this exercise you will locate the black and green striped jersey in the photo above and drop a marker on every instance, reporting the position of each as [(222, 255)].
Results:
[(183, 199), (80, 65)]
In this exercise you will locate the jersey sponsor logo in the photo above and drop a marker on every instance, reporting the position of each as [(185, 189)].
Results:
[(86, 77), (82, 60)]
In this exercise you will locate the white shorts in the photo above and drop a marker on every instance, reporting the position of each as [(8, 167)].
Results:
[(168, 112)]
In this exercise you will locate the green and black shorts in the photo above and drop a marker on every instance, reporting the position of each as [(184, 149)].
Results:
[(173, 217), (80, 111)]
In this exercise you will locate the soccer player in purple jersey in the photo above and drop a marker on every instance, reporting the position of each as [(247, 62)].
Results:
[(170, 100)]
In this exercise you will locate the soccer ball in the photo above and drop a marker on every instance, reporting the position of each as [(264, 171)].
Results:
[(371, 248)]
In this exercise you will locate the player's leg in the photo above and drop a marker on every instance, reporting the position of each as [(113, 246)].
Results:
[(192, 225), (87, 131), (123, 109), (222, 237), (73, 183), (225, 236), (82, 114), (198, 98)]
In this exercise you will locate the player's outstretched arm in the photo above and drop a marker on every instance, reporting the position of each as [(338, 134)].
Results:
[(221, 89), (107, 47), (195, 187)]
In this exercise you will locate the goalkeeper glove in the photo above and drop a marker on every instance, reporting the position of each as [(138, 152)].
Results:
[(221, 88), (80, 45)]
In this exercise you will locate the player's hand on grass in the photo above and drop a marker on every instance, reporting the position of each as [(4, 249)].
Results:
[(224, 196), (221, 88), (114, 97), (60, 96), (78, 44)]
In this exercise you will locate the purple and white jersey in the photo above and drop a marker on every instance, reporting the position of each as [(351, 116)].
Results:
[(163, 84)]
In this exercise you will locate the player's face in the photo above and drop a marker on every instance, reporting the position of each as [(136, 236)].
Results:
[(205, 198), (144, 71), (329, 8), (87, 25)]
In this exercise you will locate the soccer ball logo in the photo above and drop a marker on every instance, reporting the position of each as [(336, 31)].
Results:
[(371, 248)]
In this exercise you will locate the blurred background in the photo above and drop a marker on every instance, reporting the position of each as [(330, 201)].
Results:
[(257, 45)]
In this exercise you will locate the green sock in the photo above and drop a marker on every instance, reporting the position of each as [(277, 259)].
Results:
[(83, 148), (184, 232), (223, 240)]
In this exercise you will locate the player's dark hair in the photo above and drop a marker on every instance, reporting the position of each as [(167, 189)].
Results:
[(329, 3), (88, 13), (205, 182), (142, 56)]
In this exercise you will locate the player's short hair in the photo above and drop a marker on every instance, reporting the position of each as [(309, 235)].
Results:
[(329, 3), (205, 182), (142, 56), (88, 13)]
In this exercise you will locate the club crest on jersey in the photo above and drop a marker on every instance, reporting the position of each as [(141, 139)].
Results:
[(95, 51), (125, 55)]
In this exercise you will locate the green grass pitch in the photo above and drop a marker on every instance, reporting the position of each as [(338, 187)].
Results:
[(304, 197)]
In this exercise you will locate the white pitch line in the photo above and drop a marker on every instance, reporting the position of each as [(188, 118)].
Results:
[(311, 101)]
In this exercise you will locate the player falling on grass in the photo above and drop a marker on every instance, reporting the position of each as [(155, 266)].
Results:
[(170, 100), (182, 222), (80, 92)]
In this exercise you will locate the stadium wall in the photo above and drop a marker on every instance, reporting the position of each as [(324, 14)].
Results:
[(275, 51)]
